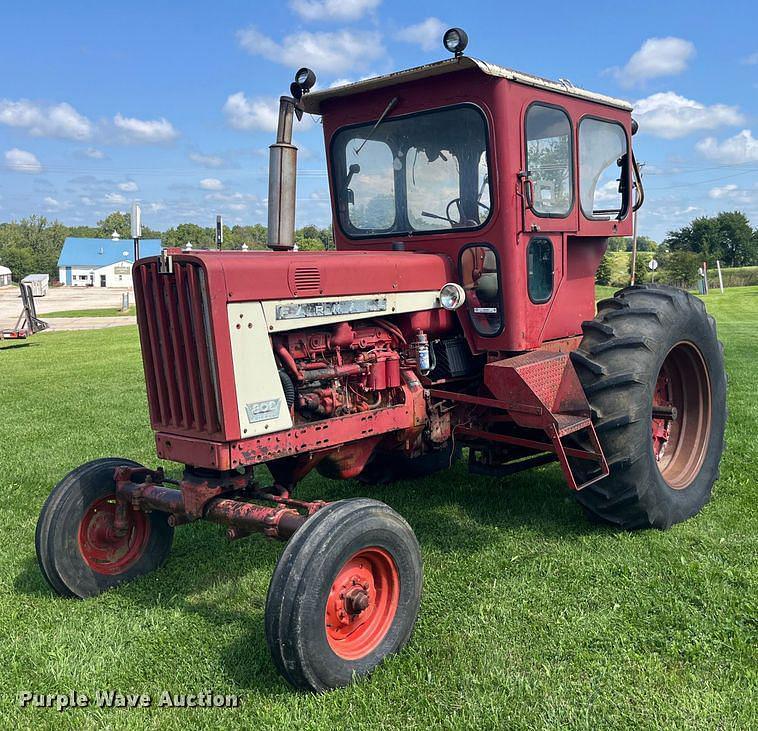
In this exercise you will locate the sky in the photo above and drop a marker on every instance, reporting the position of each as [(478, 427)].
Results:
[(174, 104)]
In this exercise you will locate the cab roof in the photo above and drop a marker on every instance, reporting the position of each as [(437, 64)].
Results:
[(312, 102)]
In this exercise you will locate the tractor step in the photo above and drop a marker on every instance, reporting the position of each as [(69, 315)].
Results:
[(539, 390)]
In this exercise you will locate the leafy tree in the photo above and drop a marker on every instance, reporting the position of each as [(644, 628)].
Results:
[(20, 260), (737, 241), (118, 222), (604, 270), (190, 233), (640, 268), (624, 243), (681, 267)]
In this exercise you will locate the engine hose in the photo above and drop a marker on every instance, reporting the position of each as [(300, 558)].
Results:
[(288, 386)]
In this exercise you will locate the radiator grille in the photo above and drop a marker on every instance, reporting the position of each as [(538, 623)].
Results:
[(177, 348), (307, 280)]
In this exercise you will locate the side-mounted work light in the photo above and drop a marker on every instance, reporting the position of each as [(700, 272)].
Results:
[(304, 80), (455, 40)]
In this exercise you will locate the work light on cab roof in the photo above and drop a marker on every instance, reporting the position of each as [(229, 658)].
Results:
[(471, 207)]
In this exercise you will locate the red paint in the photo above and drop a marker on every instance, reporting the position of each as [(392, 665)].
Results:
[(579, 242), (106, 550), (362, 603), (661, 427), (363, 380)]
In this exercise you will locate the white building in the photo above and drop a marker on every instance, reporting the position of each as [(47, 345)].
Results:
[(38, 283), (101, 262), (5, 276)]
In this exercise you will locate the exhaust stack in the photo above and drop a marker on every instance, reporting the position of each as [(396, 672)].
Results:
[(282, 167)]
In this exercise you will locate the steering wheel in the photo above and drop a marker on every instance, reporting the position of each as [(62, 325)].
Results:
[(447, 217), (457, 202)]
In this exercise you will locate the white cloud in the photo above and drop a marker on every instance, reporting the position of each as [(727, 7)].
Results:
[(251, 114), (732, 194), (57, 120), (156, 207), (427, 34), (325, 52), (208, 161), (115, 198), (743, 147), (333, 9), (51, 203), (751, 60), (22, 161), (211, 184), (656, 57), (257, 114), (128, 187), (94, 153), (722, 192), (669, 115), (145, 130)]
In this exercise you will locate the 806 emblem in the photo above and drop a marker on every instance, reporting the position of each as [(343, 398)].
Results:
[(263, 410)]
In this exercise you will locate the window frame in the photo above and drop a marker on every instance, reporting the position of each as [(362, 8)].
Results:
[(492, 248), (624, 212), (532, 241), (413, 233), (572, 157)]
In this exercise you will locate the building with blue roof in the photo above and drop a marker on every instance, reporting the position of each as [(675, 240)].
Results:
[(101, 262)]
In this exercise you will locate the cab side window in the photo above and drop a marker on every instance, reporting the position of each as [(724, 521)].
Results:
[(548, 160), (539, 270), (603, 169)]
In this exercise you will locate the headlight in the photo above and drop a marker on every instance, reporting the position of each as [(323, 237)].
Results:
[(455, 40), (452, 296)]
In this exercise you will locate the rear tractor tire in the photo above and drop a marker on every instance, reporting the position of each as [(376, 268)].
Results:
[(345, 594), (652, 368), (78, 551)]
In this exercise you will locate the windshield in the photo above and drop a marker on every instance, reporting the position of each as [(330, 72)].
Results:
[(418, 173)]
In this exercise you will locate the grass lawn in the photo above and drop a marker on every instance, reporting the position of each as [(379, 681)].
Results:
[(531, 617), (101, 312)]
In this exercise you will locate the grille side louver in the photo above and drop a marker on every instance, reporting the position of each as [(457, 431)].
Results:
[(177, 349), (307, 281)]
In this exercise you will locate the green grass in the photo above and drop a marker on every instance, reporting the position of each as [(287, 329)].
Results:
[(101, 312), (531, 617)]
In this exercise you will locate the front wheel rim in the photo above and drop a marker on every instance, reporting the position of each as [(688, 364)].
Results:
[(680, 439), (362, 603), (105, 550)]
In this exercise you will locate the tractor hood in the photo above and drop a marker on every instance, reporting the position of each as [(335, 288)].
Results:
[(268, 275)]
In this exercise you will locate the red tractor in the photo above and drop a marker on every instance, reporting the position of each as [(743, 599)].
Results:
[(472, 205)]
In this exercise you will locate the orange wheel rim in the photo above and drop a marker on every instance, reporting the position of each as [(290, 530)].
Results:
[(680, 440), (362, 603), (105, 550)]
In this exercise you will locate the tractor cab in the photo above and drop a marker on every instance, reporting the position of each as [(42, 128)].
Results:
[(518, 180)]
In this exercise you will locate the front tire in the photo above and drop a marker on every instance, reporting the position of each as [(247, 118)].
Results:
[(345, 594), (652, 368), (78, 551)]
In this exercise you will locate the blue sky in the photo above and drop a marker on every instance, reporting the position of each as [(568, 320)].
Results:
[(174, 103)]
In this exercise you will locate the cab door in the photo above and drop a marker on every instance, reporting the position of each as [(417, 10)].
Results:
[(547, 182)]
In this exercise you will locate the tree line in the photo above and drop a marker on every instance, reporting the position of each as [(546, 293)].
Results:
[(33, 245), (727, 237)]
